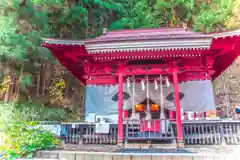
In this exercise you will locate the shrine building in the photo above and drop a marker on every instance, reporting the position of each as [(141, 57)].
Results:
[(147, 77)]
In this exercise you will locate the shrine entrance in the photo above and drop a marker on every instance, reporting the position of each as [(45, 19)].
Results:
[(147, 128), (147, 121)]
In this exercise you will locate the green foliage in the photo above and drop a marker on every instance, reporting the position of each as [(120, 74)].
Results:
[(20, 33), (139, 15), (81, 19), (204, 16), (10, 112), (210, 18), (23, 139), (12, 44), (26, 80)]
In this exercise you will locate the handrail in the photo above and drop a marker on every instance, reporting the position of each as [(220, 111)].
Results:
[(211, 132)]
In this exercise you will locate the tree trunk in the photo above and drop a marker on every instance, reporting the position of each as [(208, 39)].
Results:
[(18, 83), (13, 84), (7, 94), (43, 80), (88, 22), (38, 86), (8, 90)]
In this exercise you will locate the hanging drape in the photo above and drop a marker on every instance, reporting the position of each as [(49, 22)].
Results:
[(139, 95), (196, 96), (99, 99)]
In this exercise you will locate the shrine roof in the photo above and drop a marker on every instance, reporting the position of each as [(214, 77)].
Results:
[(148, 34), (56, 41), (226, 34), (148, 39), (142, 34), (144, 44)]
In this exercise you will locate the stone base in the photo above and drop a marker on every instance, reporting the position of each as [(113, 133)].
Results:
[(180, 143), (120, 143), (138, 145)]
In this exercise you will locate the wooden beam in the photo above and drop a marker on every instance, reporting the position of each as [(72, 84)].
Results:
[(110, 68), (184, 76)]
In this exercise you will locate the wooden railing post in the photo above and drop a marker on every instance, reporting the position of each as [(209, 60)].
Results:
[(222, 137), (126, 132)]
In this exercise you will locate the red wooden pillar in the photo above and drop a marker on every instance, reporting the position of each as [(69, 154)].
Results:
[(178, 110), (120, 108)]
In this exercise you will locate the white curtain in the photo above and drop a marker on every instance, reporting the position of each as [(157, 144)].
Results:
[(139, 95), (99, 99), (197, 97)]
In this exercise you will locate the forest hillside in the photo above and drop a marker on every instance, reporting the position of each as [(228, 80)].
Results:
[(34, 84)]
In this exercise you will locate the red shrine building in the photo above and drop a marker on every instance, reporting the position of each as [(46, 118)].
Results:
[(147, 77)]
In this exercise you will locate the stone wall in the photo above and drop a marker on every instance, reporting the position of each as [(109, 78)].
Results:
[(227, 91)]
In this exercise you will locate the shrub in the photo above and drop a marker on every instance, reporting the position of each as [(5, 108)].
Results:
[(23, 139), (11, 112)]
